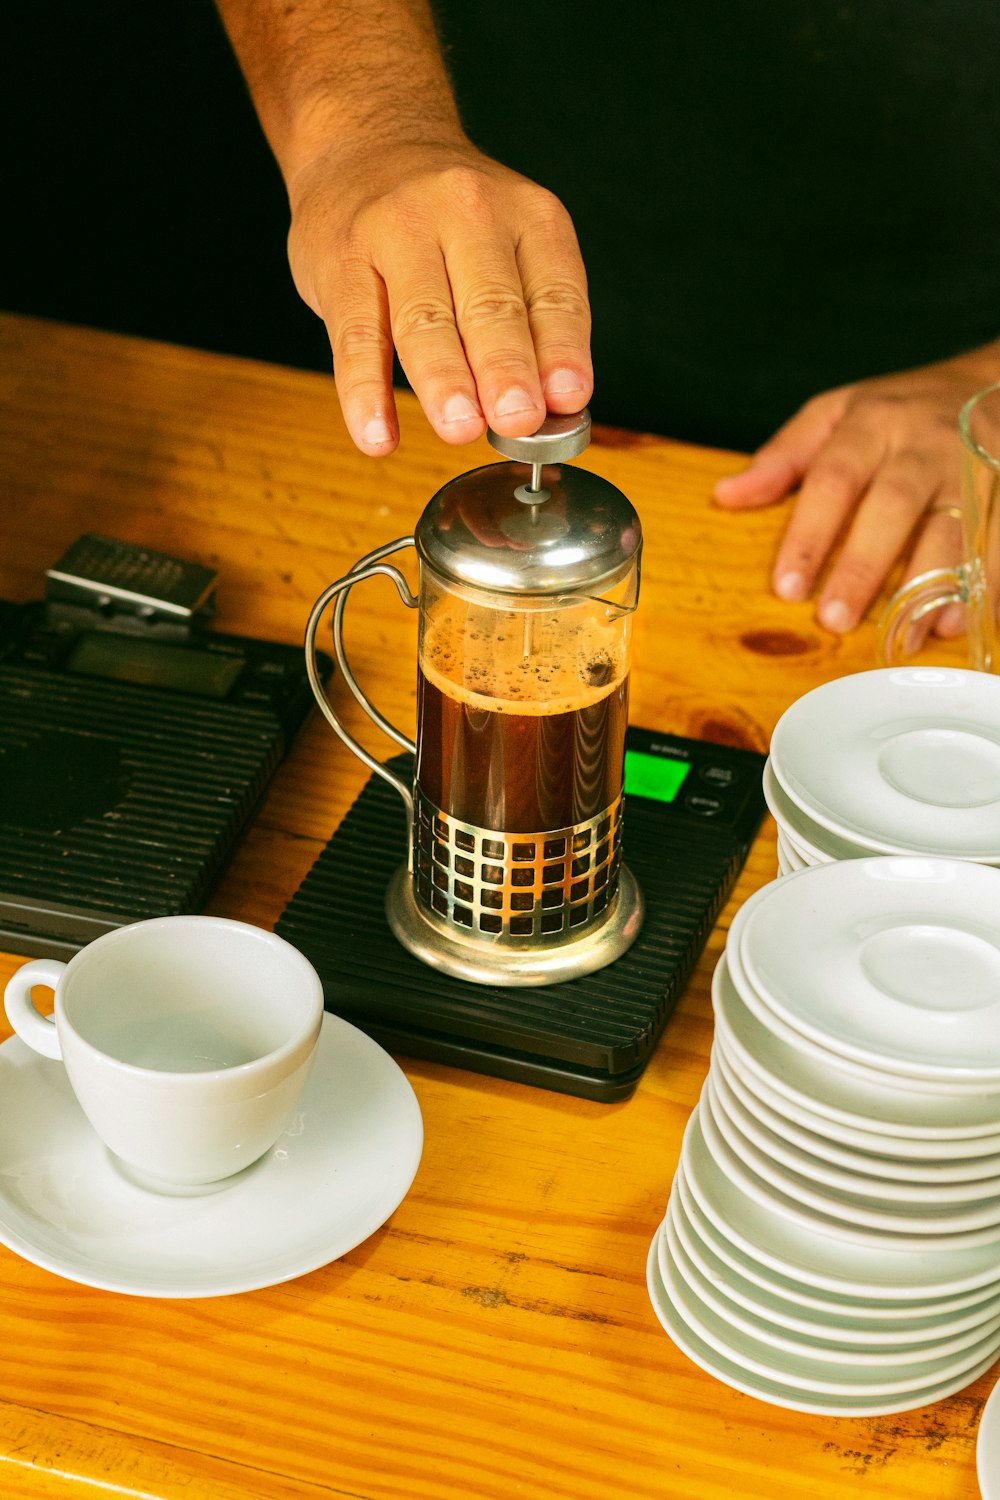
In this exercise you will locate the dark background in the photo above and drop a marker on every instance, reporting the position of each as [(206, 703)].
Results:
[(771, 198), (143, 197)]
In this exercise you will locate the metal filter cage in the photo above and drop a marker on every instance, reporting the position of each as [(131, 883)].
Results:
[(521, 890)]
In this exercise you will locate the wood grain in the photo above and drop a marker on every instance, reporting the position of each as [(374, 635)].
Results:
[(495, 1338)]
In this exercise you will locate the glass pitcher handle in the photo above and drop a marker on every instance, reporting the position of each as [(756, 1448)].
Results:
[(914, 601), (368, 567)]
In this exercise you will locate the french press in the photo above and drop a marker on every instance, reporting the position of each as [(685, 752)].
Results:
[(528, 579)]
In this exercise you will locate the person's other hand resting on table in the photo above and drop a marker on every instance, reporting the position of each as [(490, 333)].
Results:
[(873, 463), (405, 236)]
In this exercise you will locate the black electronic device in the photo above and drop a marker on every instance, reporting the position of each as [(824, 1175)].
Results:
[(135, 744), (692, 810), (102, 572)]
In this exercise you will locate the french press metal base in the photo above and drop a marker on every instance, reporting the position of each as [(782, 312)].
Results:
[(442, 947), (514, 908)]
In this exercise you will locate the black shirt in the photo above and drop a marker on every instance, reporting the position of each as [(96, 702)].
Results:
[(771, 198)]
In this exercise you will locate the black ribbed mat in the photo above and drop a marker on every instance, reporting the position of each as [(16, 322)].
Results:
[(117, 803), (590, 1037)]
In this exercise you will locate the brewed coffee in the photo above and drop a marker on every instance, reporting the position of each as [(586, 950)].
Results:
[(522, 741)]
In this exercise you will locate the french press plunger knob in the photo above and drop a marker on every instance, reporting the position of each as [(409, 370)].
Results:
[(559, 439)]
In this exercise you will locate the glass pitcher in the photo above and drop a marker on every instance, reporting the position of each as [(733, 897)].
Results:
[(529, 576)]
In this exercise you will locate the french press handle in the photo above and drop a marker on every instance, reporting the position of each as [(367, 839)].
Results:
[(370, 566)]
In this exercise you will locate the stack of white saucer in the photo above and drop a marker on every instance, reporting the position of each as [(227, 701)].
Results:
[(896, 761), (832, 1239)]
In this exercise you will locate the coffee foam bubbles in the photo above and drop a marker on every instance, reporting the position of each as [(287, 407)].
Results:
[(569, 666)]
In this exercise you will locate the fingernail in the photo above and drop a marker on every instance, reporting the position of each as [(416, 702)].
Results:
[(835, 616), (733, 481), (563, 383), (375, 433), (792, 587), (513, 402), (459, 408)]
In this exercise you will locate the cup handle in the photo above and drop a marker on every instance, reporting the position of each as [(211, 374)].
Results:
[(368, 567), (913, 602), (37, 1030)]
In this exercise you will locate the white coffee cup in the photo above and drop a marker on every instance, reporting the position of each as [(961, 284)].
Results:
[(186, 1040)]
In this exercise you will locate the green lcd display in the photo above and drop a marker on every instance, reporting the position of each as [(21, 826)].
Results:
[(654, 776)]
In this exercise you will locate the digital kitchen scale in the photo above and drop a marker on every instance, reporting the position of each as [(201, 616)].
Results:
[(136, 744), (692, 810)]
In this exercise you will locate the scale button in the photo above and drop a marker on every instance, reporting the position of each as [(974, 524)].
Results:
[(720, 775), (704, 804)]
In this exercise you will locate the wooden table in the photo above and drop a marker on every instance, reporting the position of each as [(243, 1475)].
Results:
[(494, 1339)]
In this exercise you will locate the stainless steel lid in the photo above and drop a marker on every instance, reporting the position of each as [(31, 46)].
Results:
[(535, 526)]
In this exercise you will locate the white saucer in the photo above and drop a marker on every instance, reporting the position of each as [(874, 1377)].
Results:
[(890, 1079), (778, 1393), (869, 1210), (902, 760), (988, 1447), (863, 1361), (925, 1150), (781, 1149), (813, 844), (853, 1228), (877, 1269), (892, 962), (836, 1095), (789, 858), (798, 856), (812, 1372), (343, 1166), (856, 1306), (844, 1326), (835, 1060), (816, 1143)]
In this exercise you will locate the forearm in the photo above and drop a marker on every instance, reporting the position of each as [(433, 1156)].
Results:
[(360, 72)]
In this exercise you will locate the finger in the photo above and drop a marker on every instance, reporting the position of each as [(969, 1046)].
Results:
[(424, 329), (950, 622), (357, 321), (552, 275), (896, 499), (493, 323), (777, 467), (831, 489), (938, 545)]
